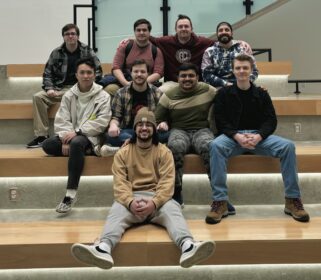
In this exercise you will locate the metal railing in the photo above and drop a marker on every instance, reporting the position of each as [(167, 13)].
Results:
[(297, 82)]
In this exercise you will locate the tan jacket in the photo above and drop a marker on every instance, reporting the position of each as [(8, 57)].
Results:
[(95, 119), (137, 169)]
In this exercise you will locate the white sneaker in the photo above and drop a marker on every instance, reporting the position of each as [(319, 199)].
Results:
[(107, 151), (88, 254), (200, 252)]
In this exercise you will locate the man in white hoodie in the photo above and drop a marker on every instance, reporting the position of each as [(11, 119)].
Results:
[(83, 116)]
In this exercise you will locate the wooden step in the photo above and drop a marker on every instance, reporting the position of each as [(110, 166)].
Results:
[(244, 241), (36, 70), (34, 162)]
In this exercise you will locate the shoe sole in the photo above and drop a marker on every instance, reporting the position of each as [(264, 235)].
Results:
[(212, 221), (83, 254), (202, 253), (303, 219), (34, 146)]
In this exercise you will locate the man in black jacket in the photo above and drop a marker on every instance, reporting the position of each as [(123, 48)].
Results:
[(245, 120)]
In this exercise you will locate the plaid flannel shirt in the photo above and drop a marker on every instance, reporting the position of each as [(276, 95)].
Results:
[(55, 71), (123, 102)]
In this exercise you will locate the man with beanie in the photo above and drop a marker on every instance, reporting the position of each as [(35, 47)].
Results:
[(217, 59), (82, 117), (143, 186)]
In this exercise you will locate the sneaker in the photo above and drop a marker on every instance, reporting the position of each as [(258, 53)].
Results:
[(92, 255), (198, 253), (37, 142), (294, 208), (97, 149), (230, 208), (107, 150), (218, 211), (65, 205)]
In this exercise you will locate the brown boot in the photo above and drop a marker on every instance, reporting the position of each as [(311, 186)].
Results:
[(218, 211), (294, 208)]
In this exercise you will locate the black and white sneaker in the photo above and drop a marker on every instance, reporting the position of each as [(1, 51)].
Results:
[(199, 252), (92, 255), (37, 142), (65, 205)]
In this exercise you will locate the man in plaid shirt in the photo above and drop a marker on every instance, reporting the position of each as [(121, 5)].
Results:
[(58, 77), (125, 105), (217, 59)]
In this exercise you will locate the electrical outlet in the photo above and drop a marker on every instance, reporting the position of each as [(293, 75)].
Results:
[(297, 127), (13, 194)]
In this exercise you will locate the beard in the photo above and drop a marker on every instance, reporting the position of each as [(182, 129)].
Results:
[(224, 39), (144, 139)]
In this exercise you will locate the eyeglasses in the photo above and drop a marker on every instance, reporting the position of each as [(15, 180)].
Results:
[(70, 34)]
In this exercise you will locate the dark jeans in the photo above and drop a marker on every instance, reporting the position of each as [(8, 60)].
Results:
[(78, 146)]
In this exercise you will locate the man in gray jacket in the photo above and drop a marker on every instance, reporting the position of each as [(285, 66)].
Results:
[(58, 77), (83, 116)]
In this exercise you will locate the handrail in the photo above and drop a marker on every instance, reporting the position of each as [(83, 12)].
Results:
[(260, 51), (297, 82)]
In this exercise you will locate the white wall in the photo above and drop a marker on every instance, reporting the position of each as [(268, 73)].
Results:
[(293, 33), (30, 29)]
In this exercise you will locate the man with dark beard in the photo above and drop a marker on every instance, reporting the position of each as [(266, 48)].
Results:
[(143, 188), (217, 59)]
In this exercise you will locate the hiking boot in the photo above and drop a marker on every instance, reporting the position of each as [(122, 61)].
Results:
[(218, 211), (107, 150), (199, 252), (37, 142), (65, 205), (230, 208), (92, 255), (294, 208)]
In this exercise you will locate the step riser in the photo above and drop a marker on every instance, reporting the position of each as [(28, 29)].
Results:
[(21, 131), (97, 191)]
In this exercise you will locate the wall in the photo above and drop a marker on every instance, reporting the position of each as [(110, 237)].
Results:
[(30, 29), (293, 33)]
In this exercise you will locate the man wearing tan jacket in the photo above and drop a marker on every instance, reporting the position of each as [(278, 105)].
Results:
[(143, 187)]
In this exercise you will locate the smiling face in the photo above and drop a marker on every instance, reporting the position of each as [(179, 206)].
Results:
[(144, 131), (183, 29), (139, 74), (224, 34), (85, 76), (187, 79), (142, 34), (71, 37), (242, 70)]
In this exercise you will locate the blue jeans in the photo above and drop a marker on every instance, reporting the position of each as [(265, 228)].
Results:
[(127, 133), (223, 147)]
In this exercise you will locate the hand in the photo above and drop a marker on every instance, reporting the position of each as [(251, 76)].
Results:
[(51, 93), (65, 149), (162, 126), (68, 137), (243, 140), (113, 130), (142, 207), (253, 138), (228, 84), (126, 142)]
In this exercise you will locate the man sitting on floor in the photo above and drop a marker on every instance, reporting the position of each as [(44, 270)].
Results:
[(143, 186)]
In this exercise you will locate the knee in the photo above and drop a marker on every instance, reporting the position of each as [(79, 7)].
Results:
[(51, 147), (289, 146)]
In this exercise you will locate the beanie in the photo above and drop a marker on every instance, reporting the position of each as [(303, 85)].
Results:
[(224, 23), (143, 115)]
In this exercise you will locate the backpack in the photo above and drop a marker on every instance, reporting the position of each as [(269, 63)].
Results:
[(111, 79)]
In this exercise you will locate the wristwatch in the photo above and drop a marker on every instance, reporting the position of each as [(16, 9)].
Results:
[(78, 131)]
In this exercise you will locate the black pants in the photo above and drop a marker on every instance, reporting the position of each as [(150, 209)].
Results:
[(78, 146)]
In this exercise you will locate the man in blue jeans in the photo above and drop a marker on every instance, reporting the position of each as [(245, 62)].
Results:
[(126, 103), (245, 120)]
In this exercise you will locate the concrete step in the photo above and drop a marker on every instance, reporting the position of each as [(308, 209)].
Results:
[(21, 131), (204, 272), (96, 191), (191, 212)]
